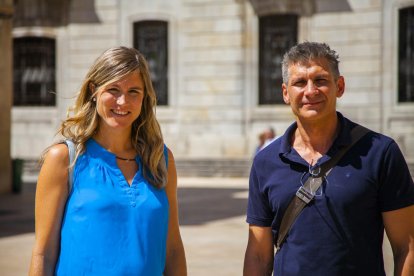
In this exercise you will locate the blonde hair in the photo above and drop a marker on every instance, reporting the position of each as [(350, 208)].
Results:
[(146, 136)]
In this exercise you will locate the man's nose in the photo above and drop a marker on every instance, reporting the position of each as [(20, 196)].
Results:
[(311, 88)]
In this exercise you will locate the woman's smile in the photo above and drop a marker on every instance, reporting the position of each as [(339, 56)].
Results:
[(120, 113)]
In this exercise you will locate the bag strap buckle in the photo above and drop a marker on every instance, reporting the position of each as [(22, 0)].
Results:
[(304, 194)]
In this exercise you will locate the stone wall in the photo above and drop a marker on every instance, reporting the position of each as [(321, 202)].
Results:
[(213, 111), (397, 119), (356, 36)]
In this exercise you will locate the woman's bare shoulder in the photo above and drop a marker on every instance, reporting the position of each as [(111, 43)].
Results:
[(54, 170), (58, 154)]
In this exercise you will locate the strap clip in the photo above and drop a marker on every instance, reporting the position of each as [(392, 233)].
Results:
[(304, 195)]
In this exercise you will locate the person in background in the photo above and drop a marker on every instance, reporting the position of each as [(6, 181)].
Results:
[(270, 135), (339, 232), (119, 213), (265, 138), (262, 139)]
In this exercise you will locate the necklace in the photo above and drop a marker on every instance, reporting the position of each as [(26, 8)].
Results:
[(125, 159)]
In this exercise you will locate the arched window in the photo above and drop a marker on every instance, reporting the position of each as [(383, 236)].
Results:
[(406, 55), (151, 39), (277, 33), (34, 71)]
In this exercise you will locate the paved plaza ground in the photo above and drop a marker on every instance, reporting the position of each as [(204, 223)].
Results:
[(212, 227), (211, 217)]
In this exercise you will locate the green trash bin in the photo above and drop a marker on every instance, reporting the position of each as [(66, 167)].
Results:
[(17, 167)]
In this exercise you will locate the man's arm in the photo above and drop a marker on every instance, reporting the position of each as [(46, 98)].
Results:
[(399, 226), (259, 255)]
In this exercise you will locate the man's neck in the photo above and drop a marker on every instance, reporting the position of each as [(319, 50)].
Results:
[(313, 139)]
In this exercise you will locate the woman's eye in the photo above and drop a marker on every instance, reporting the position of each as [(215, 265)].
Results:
[(112, 90), (135, 92)]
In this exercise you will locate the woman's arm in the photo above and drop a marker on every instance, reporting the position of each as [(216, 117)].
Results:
[(176, 262), (51, 195)]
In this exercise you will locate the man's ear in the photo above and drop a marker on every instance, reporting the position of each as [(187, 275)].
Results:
[(340, 84), (285, 94)]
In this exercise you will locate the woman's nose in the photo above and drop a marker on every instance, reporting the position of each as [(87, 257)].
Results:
[(121, 99)]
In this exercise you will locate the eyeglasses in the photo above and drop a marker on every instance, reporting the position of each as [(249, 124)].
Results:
[(314, 188)]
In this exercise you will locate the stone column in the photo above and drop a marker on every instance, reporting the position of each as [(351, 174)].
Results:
[(6, 12)]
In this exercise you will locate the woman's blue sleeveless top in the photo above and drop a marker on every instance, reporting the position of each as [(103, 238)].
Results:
[(110, 227)]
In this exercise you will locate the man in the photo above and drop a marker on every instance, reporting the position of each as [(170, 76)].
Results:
[(340, 232)]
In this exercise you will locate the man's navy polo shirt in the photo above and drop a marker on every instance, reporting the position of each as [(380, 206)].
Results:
[(341, 231)]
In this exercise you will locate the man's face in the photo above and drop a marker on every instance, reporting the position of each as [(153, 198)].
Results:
[(312, 90)]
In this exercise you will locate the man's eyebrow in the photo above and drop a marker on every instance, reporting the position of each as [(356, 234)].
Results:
[(298, 78), (325, 75)]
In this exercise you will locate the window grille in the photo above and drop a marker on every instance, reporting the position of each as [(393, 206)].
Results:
[(151, 39), (406, 55), (277, 33), (34, 71)]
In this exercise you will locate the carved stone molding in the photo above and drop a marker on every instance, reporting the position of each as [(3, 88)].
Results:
[(300, 7), (52, 13)]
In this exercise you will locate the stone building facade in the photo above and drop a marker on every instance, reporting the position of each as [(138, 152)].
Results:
[(215, 105)]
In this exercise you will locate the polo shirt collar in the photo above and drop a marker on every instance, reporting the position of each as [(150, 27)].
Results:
[(343, 139)]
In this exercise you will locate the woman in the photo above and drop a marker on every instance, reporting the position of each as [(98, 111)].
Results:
[(119, 215)]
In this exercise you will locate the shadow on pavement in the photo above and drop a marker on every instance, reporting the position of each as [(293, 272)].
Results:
[(202, 205), (197, 206), (17, 211)]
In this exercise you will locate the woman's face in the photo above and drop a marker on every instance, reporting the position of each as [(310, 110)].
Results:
[(119, 103)]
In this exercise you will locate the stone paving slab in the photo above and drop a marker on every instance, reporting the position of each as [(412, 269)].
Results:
[(15, 252), (216, 248)]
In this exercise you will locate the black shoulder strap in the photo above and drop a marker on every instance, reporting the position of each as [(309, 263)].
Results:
[(305, 193)]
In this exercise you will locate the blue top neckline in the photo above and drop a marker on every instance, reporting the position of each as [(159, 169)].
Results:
[(96, 150)]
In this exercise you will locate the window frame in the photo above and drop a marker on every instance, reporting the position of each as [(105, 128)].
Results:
[(165, 114), (265, 81), (401, 75), (392, 109), (396, 118), (49, 99), (164, 101)]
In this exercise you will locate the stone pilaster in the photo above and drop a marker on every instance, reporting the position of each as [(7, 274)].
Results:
[(6, 11)]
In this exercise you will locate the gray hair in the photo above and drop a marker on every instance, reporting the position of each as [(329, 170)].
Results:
[(304, 52)]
